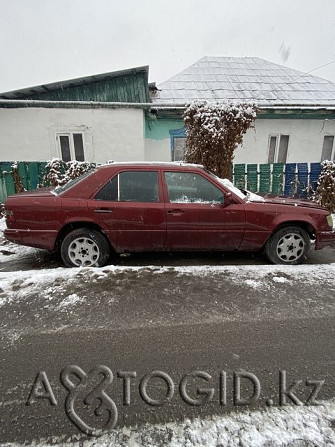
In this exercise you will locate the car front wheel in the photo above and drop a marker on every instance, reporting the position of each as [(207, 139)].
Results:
[(288, 245), (85, 248)]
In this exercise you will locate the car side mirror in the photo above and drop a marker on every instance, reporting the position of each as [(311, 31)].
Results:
[(228, 198)]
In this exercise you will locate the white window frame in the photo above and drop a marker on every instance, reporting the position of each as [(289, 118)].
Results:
[(176, 133), (178, 138), (278, 137), (70, 136), (332, 154)]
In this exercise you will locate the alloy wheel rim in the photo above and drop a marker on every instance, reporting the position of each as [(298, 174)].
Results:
[(290, 247), (83, 251)]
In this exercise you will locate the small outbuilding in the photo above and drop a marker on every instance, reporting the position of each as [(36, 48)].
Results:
[(95, 119)]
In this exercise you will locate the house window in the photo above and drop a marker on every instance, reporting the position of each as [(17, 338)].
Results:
[(71, 146), (328, 148), (179, 146), (278, 148)]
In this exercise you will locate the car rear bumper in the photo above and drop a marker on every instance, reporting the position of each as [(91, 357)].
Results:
[(33, 238), (325, 239)]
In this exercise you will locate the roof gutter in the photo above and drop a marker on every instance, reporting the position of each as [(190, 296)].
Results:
[(83, 104), (17, 103), (260, 106)]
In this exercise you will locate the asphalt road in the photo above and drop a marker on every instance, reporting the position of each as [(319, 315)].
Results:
[(228, 323)]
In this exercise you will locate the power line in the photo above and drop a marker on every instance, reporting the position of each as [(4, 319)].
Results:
[(314, 69), (321, 66)]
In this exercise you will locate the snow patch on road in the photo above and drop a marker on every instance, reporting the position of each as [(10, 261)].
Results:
[(18, 285), (280, 279), (70, 301), (253, 283), (49, 282)]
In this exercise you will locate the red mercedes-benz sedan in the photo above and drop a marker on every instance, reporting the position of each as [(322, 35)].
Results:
[(134, 207)]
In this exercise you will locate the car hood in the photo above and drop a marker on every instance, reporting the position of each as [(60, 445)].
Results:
[(281, 200)]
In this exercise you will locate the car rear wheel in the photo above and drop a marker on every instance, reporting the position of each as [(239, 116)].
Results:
[(289, 245), (85, 248)]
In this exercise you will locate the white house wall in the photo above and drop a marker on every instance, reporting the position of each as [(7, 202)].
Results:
[(157, 150), (305, 142), (29, 134)]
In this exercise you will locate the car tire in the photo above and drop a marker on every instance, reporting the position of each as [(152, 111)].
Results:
[(288, 246), (85, 248)]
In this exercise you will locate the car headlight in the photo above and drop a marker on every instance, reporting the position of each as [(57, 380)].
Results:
[(330, 220)]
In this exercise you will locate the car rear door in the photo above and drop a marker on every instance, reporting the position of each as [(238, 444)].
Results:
[(130, 209), (199, 214)]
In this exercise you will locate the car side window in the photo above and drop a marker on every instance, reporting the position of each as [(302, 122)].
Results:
[(131, 186), (109, 191), (187, 187)]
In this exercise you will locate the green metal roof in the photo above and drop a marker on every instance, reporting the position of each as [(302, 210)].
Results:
[(129, 85)]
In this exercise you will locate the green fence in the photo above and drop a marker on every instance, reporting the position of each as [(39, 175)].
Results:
[(291, 179), (263, 178), (30, 173), (294, 179)]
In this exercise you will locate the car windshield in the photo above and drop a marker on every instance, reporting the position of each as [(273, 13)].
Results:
[(71, 183), (241, 193)]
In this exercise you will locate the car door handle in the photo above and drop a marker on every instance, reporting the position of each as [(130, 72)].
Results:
[(176, 212), (103, 210)]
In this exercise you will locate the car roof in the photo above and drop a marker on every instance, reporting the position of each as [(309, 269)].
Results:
[(151, 164)]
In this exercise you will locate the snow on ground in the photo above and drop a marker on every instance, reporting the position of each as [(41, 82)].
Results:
[(289, 426), (16, 285)]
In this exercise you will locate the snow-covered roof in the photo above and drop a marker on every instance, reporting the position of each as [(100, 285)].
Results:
[(245, 79)]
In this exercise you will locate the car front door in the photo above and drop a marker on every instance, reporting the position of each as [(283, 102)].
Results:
[(130, 209), (200, 215)]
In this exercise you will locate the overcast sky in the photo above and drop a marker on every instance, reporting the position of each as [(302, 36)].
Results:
[(50, 40)]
